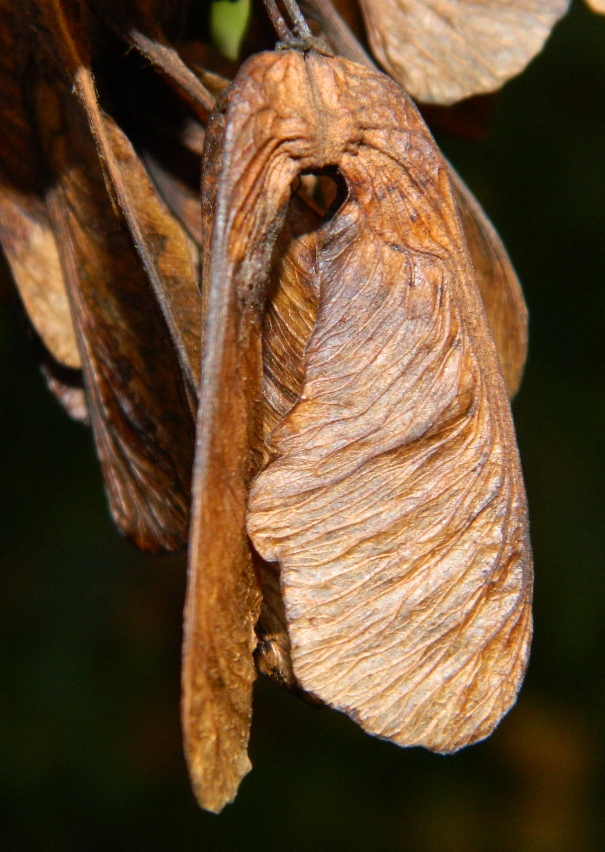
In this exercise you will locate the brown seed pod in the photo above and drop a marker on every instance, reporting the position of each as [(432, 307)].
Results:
[(393, 502), (444, 50)]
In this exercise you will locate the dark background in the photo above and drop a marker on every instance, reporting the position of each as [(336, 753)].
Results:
[(90, 752)]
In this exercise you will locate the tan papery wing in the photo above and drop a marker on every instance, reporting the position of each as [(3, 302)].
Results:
[(395, 505), (68, 387), (223, 596), (288, 322), (223, 593), (139, 406), (498, 284), (242, 396), (444, 50), (25, 232)]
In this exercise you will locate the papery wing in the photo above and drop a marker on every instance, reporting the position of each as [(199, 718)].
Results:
[(25, 232), (147, 26), (288, 322), (395, 506), (444, 50), (498, 284), (162, 247), (67, 385), (246, 187), (137, 398)]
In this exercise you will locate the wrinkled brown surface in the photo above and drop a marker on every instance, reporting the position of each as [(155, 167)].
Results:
[(394, 503), (500, 289), (498, 284), (139, 409), (444, 50), (223, 593), (162, 248), (288, 323), (25, 232)]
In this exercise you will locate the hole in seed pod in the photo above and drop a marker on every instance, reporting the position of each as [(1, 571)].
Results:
[(327, 190)]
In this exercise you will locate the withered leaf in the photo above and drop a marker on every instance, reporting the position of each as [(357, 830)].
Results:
[(223, 593), (292, 299), (25, 232), (444, 50), (144, 24), (393, 503), (67, 385), (161, 245), (498, 284), (140, 406)]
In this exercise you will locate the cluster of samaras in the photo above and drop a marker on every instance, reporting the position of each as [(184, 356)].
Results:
[(316, 400)]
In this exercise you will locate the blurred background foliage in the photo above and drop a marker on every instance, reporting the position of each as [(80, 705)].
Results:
[(90, 751)]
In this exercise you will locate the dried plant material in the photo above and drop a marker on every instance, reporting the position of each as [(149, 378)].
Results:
[(172, 144), (442, 51), (223, 593), (25, 233), (67, 385), (31, 251), (498, 284), (162, 248), (161, 245), (144, 25), (288, 322), (394, 503), (180, 197), (137, 397)]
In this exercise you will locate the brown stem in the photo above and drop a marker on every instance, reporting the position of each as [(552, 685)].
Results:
[(336, 31), (300, 26), (276, 18)]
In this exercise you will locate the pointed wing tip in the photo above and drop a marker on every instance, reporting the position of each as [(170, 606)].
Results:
[(215, 784)]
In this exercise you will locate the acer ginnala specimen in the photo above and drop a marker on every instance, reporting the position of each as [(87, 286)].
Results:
[(312, 395)]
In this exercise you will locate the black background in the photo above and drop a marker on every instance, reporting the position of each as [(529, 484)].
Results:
[(90, 753)]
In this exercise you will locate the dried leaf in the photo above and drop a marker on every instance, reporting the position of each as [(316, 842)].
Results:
[(181, 199), (120, 269), (444, 50), (144, 24), (500, 289), (25, 233), (288, 322), (67, 385), (161, 245), (498, 284), (223, 594), (395, 505)]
